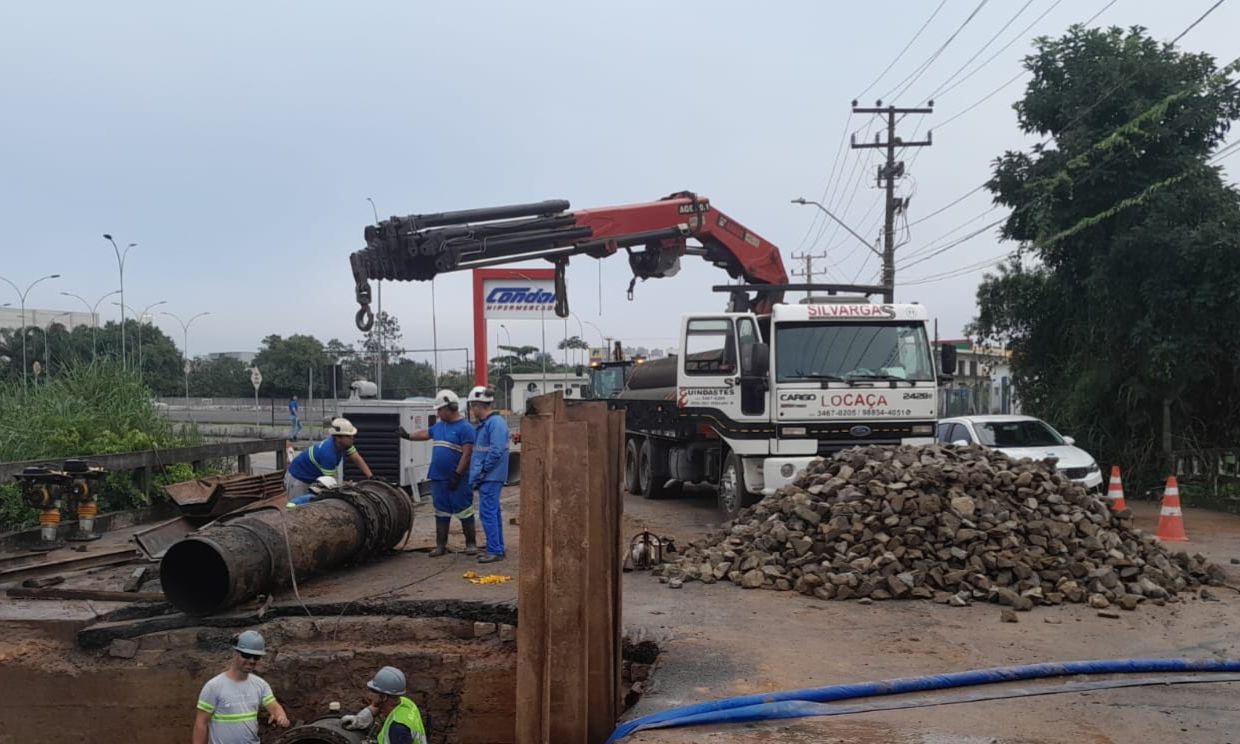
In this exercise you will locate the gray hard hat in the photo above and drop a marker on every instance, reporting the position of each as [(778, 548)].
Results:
[(388, 681), (251, 642)]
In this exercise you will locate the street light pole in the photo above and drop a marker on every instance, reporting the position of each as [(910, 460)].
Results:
[(601, 337), (94, 318), (23, 295), (140, 316), (120, 264), (508, 387), (185, 344)]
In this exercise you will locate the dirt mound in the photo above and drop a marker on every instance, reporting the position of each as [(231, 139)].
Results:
[(951, 524)]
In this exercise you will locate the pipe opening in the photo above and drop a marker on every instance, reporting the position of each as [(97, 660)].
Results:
[(194, 577)]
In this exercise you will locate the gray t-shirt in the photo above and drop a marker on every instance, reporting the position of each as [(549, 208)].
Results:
[(234, 708)]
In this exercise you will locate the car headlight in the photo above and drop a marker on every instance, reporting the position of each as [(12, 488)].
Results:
[(1093, 468)]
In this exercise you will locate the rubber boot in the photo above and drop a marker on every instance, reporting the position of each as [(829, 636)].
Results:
[(441, 537), (471, 536)]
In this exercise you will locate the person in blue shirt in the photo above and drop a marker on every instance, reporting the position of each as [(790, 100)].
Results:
[(323, 459), (488, 468), (294, 419), (453, 443)]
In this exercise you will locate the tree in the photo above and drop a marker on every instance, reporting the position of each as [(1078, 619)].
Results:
[(287, 363), (221, 377), (574, 342), (1122, 303), (407, 378)]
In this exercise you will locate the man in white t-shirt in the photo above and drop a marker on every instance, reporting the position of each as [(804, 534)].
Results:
[(229, 702)]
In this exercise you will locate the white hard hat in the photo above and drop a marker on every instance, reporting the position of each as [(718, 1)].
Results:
[(482, 394), (251, 642), (342, 427), (446, 398), (388, 681)]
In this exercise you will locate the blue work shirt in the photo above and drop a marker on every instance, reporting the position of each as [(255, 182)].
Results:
[(490, 460), (448, 440), (319, 460), (292, 407)]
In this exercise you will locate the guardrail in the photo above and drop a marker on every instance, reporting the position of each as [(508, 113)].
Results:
[(144, 462)]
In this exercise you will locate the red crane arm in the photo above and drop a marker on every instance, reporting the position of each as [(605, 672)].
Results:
[(654, 234)]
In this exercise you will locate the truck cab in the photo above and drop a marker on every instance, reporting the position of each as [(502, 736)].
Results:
[(756, 398)]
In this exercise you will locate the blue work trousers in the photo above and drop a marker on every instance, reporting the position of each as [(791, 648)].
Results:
[(449, 503), (294, 425), (492, 520)]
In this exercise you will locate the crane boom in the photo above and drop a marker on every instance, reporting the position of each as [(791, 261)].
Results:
[(653, 234)]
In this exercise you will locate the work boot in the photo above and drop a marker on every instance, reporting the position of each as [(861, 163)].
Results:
[(441, 537), (471, 536), (490, 558)]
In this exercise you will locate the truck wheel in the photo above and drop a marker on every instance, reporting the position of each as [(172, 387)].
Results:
[(733, 496), (632, 483), (651, 474)]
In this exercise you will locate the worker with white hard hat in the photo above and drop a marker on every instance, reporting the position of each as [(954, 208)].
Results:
[(452, 440), (323, 459), (488, 469), (402, 721), (229, 702)]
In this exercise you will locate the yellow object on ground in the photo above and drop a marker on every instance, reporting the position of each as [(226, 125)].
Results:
[(489, 579)]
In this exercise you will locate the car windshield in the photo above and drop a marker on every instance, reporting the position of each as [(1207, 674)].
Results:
[(852, 351), (1016, 434)]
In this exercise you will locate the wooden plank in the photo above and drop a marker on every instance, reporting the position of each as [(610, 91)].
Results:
[(98, 595), (599, 600), (619, 545), (567, 631), (531, 637)]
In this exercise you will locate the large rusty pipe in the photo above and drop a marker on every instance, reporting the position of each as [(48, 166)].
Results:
[(232, 560), (327, 730)]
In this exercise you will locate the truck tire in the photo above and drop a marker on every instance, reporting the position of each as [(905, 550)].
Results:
[(652, 473), (632, 457), (733, 496)]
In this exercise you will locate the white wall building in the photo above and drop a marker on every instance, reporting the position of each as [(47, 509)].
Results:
[(11, 317)]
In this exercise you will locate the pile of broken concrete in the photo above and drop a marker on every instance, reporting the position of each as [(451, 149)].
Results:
[(944, 523)]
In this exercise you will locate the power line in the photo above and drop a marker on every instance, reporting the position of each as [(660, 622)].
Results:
[(902, 51), (983, 99), (978, 53), (839, 150), (961, 271), (1008, 45), (931, 245), (1193, 25), (954, 243), (833, 205), (920, 70)]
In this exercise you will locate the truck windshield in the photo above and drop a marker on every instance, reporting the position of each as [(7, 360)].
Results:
[(852, 351), (1016, 434), (608, 381)]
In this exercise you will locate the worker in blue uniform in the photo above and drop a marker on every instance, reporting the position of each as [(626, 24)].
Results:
[(488, 469), (324, 459), (452, 439)]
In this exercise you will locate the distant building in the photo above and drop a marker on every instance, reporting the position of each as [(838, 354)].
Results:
[(245, 357), (11, 318), (526, 385), (981, 383)]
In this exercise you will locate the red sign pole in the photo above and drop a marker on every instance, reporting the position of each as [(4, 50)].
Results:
[(481, 276)]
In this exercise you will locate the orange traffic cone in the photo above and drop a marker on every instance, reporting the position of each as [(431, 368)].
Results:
[(1171, 519), (1115, 491)]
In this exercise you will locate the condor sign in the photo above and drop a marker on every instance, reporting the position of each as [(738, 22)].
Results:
[(518, 298)]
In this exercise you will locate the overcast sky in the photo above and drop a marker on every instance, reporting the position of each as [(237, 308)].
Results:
[(236, 143)]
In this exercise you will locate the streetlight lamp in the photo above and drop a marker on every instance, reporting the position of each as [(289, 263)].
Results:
[(23, 295), (141, 315), (120, 265), (94, 318), (47, 348), (185, 344)]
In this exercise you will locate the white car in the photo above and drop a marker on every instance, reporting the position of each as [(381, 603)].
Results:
[(1023, 436)]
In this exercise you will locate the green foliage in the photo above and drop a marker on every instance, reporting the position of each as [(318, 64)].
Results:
[(1125, 293), (148, 350), (222, 377), (91, 409), (286, 364)]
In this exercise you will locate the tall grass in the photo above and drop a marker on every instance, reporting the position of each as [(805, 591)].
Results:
[(92, 409)]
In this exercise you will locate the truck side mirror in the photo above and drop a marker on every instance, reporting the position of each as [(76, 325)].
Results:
[(756, 360), (947, 359), (580, 370)]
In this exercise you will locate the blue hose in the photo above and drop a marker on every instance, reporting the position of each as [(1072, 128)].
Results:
[(790, 703)]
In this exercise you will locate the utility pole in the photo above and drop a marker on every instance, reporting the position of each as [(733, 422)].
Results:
[(888, 174), (808, 272)]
